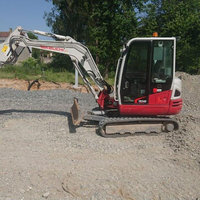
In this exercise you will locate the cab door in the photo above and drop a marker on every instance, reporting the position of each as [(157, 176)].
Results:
[(161, 73), (134, 83)]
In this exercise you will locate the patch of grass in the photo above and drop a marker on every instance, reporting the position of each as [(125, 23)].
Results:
[(32, 69), (6, 75), (67, 77)]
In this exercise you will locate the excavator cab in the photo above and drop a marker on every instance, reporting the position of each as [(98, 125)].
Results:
[(145, 79)]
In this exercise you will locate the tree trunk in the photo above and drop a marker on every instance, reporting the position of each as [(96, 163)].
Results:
[(106, 72), (97, 56)]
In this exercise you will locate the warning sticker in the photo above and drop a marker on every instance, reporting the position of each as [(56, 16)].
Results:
[(4, 49)]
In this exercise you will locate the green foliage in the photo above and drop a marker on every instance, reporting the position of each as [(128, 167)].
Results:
[(180, 19), (61, 63), (28, 69), (32, 69), (105, 25), (35, 52), (67, 77), (32, 36), (102, 25), (111, 24)]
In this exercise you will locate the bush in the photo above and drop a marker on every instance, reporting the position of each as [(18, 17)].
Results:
[(28, 69)]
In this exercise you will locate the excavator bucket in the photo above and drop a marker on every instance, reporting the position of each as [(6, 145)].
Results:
[(76, 113)]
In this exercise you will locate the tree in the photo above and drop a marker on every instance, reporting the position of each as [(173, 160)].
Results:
[(102, 25), (176, 18), (67, 17), (111, 23), (105, 25)]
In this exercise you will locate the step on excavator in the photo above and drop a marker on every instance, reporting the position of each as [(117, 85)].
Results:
[(145, 93)]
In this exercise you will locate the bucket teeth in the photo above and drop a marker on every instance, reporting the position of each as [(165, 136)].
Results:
[(75, 113)]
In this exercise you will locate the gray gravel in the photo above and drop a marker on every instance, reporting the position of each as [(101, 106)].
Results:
[(56, 99), (43, 157), (31, 104)]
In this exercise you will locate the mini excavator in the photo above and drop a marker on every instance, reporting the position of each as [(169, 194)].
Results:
[(145, 93)]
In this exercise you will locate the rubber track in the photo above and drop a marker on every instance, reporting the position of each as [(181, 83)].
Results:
[(135, 120)]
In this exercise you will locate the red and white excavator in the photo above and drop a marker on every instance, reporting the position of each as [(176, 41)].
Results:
[(145, 92)]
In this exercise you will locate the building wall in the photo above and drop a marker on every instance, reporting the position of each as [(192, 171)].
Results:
[(2, 39), (24, 55)]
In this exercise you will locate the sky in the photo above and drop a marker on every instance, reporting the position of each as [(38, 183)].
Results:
[(29, 14)]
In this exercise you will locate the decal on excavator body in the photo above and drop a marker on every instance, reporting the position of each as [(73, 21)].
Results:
[(52, 48), (4, 49)]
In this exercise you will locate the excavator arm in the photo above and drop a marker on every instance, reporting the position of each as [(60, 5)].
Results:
[(79, 54)]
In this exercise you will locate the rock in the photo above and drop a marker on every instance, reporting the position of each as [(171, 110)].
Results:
[(46, 195)]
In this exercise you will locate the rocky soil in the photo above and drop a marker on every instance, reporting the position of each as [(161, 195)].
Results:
[(42, 156)]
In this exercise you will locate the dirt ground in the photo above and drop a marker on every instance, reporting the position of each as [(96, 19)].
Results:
[(41, 158), (42, 85)]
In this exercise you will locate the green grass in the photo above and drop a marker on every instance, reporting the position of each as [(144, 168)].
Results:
[(18, 72), (31, 69)]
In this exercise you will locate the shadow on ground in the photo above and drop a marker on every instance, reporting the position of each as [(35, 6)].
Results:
[(72, 128)]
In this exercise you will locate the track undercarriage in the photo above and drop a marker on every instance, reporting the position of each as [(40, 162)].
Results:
[(124, 126), (114, 127)]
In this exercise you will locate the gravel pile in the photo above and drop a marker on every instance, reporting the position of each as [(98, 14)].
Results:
[(187, 138)]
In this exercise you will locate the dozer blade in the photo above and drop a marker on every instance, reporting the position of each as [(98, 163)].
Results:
[(76, 113)]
